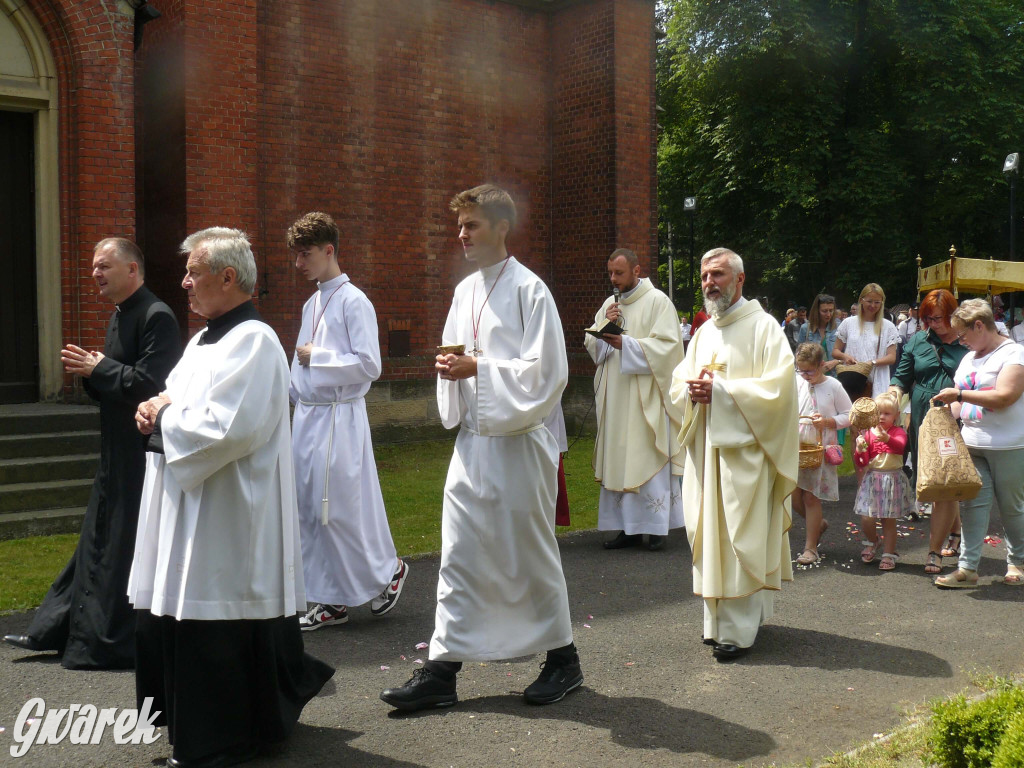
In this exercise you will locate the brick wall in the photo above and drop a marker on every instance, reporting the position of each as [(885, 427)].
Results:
[(252, 113), (91, 42)]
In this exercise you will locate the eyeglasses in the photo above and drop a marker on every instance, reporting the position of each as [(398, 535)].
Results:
[(807, 373), (935, 319)]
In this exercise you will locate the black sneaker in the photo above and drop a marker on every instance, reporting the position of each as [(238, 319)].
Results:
[(554, 681), (423, 690), (322, 615), (388, 599)]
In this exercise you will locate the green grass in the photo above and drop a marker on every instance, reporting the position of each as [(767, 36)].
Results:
[(412, 479), (29, 566)]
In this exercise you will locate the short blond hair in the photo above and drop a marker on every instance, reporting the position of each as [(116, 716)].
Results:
[(970, 312), (887, 401)]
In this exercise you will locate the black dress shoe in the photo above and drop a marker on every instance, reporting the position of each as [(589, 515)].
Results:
[(425, 689), (654, 543), (623, 540), (232, 756), (554, 681), (707, 640), (23, 641), (728, 652)]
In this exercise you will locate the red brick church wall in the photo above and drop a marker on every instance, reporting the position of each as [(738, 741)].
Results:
[(251, 113)]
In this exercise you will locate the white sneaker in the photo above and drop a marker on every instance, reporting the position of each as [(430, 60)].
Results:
[(388, 599), (321, 615)]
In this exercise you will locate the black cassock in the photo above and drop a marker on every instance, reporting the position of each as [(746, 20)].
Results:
[(86, 614)]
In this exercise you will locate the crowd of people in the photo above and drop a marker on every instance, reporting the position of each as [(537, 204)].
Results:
[(940, 353), (221, 526)]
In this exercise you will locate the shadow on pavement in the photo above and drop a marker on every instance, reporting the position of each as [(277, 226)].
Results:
[(633, 722), (790, 646), (312, 746)]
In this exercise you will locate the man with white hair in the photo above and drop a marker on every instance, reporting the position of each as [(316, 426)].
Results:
[(217, 575), (737, 391)]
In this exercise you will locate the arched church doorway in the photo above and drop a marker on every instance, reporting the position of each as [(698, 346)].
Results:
[(30, 333)]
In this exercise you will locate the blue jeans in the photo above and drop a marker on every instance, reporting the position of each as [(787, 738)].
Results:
[(1002, 477)]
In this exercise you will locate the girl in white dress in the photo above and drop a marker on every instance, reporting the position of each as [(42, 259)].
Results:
[(868, 337), (824, 401)]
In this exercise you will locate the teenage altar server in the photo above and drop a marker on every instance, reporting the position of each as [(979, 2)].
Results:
[(217, 576), (348, 555), (501, 592)]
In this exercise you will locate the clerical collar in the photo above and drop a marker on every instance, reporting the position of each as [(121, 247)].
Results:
[(132, 300), (631, 291), (334, 282), (739, 303), (217, 328)]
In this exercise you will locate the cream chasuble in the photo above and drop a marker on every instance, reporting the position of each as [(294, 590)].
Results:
[(348, 556), (218, 534), (741, 454), (632, 442), (501, 592)]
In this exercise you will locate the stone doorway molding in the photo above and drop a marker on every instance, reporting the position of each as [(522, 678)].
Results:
[(28, 83)]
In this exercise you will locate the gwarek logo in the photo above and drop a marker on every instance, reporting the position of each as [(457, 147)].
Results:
[(82, 724)]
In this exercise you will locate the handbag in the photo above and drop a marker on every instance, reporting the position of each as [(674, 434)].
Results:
[(945, 469), (834, 454)]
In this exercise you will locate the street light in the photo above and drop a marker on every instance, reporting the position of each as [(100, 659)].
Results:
[(690, 207), (1010, 170)]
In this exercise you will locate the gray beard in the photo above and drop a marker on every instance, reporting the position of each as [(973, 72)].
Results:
[(716, 307)]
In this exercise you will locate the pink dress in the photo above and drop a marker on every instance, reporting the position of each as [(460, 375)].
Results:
[(885, 491)]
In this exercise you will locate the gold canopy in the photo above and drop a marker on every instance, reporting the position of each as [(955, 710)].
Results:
[(979, 276)]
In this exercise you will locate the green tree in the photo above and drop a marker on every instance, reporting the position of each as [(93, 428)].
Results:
[(830, 142)]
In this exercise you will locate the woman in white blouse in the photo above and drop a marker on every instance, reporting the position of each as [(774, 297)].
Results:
[(868, 337)]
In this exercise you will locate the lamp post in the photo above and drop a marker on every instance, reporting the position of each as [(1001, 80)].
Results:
[(690, 207), (1010, 170)]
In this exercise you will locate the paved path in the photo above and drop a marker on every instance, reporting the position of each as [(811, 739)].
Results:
[(849, 650)]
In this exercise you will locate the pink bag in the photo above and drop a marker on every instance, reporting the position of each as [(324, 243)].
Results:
[(834, 454)]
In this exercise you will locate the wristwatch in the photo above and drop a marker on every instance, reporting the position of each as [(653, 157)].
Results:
[(959, 395)]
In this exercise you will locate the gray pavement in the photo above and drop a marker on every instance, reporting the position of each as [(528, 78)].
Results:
[(849, 651)]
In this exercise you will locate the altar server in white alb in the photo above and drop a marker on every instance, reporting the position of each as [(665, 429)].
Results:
[(217, 578), (738, 396), (501, 592), (636, 454), (348, 555)]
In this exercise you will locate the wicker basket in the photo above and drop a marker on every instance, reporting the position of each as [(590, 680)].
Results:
[(864, 414), (811, 454)]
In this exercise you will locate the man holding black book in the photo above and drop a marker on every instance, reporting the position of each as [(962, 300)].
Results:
[(636, 455)]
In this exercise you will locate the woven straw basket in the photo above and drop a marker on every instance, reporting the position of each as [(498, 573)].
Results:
[(811, 453), (864, 414)]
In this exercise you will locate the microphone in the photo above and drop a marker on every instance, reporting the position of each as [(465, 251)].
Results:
[(617, 296)]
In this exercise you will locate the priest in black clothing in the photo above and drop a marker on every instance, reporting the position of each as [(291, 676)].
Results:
[(217, 575), (86, 615)]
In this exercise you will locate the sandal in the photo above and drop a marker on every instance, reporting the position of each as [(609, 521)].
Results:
[(888, 562), (867, 555), (1014, 575), (949, 550), (958, 579), (934, 564), (808, 559)]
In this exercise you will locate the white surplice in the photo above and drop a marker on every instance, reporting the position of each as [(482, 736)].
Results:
[(218, 534), (348, 555), (501, 591)]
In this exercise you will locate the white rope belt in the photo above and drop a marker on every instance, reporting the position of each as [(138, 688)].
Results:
[(330, 444), (523, 431)]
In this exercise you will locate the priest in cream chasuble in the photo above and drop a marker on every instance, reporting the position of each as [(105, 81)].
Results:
[(636, 454), (737, 393)]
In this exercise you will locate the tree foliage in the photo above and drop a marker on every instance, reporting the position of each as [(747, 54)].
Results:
[(831, 141)]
